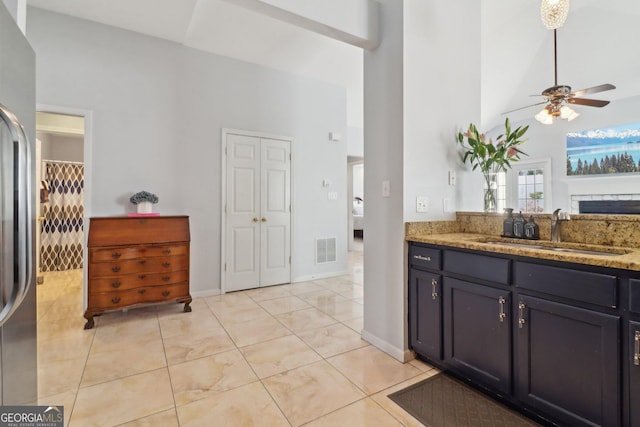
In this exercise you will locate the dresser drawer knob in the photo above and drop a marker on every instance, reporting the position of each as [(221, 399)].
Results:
[(116, 255), (165, 293), (166, 278), (116, 284), (115, 269), (141, 276), (142, 261), (166, 264), (115, 300), (142, 291), (167, 251)]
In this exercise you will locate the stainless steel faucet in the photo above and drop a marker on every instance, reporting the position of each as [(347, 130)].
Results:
[(556, 218)]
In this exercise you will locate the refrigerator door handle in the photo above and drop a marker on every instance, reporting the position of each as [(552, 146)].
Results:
[(23, 228)]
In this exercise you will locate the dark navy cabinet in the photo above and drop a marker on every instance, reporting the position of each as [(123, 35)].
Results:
[(425, 301), (634, 374), (425, 313), (567, 362), (561, 341), (477, 332)]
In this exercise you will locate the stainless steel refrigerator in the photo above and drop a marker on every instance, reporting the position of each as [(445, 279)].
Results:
[(18, 346)]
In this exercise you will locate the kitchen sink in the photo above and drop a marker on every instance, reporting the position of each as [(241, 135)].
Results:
[(560, 247)]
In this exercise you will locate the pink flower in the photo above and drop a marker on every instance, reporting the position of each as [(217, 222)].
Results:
[(512, 152)]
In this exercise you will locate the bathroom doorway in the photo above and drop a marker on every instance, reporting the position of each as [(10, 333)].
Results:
[(60, 178)]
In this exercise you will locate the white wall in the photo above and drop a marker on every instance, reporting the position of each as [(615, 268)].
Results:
[(384, 284), (157, 110), (60, 147), (441, 94)]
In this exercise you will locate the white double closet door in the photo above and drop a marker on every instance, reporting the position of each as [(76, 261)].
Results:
[(258, 212)]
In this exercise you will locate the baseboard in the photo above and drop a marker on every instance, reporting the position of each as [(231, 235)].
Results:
[(311, 277), (204, 294), (393, 351)]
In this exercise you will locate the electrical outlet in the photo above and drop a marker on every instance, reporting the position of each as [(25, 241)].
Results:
[(422, 204)]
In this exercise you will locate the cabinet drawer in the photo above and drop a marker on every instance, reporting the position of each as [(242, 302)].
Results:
[(131, 281), (420, 256), (150, 265), (584, 286), (478, 266), (149, 294), (634, 295), (124, 253)]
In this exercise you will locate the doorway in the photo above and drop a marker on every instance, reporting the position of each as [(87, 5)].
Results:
[(61, 202), (256, 192)]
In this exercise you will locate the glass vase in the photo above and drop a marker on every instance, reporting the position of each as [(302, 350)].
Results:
[(490, 191)]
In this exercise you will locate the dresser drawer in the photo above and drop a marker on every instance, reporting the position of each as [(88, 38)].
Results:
[(149, 294), (131, 281), (117, 253), (584, 286), (146, 265)]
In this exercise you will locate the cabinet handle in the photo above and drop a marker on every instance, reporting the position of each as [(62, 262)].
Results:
[(167, 251), (142, 276), (142, 291), (116, 284), (636, 356), (115, 300), (434, 291), (116, 255), (422, 258), (165, 293), (501, 314), (115, 269), (166, 264), (521, 320), (166, 278)]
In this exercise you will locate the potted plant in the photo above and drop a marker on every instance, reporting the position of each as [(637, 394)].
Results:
[(144, 201), (492, 158)]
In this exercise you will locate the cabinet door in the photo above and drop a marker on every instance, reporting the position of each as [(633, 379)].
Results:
[(567, 362), (634, 374), (477, 332), (425, 324)]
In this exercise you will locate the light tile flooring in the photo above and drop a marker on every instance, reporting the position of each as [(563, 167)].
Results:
[(287, 355)]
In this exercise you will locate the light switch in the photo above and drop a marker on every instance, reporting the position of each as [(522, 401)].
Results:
[(422, 204), (386, 189), (452, 177)]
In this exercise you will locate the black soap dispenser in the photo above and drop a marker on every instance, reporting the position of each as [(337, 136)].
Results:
[(507, 224), (518, 226), (531, 230)]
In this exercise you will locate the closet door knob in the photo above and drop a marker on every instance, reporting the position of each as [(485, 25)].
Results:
[(255, 219), (264, 219)]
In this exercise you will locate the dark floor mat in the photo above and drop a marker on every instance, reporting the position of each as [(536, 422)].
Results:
[(442, 401)]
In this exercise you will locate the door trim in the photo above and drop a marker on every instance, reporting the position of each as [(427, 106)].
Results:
[(223, 195)]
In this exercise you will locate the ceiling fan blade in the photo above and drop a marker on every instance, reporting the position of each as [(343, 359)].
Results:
[(588, 102), (595, 89), (522, 108)]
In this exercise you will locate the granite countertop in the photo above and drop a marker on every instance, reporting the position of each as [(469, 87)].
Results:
[(618, 257)]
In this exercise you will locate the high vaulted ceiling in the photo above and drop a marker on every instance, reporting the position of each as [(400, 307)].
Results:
[(223, 28), (596, 45)]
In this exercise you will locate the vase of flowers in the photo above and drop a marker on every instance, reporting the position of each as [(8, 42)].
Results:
[(492, 158), (144, 201)]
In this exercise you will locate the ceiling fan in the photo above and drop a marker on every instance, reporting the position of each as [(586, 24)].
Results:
[(557, 97)]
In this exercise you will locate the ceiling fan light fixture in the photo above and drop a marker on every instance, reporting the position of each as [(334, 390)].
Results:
[(568, 113), (554, 13), (544, 117)]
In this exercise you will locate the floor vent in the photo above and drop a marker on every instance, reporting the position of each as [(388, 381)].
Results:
[(325, 250)]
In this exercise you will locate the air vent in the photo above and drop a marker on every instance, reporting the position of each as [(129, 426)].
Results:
[(325, 250)]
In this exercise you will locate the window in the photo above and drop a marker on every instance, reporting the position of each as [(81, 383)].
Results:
[(529, 186)]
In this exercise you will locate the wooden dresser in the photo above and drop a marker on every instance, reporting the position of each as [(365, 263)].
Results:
[(135, 261)]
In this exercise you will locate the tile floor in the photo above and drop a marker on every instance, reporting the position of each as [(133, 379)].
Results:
[(287, 355)]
